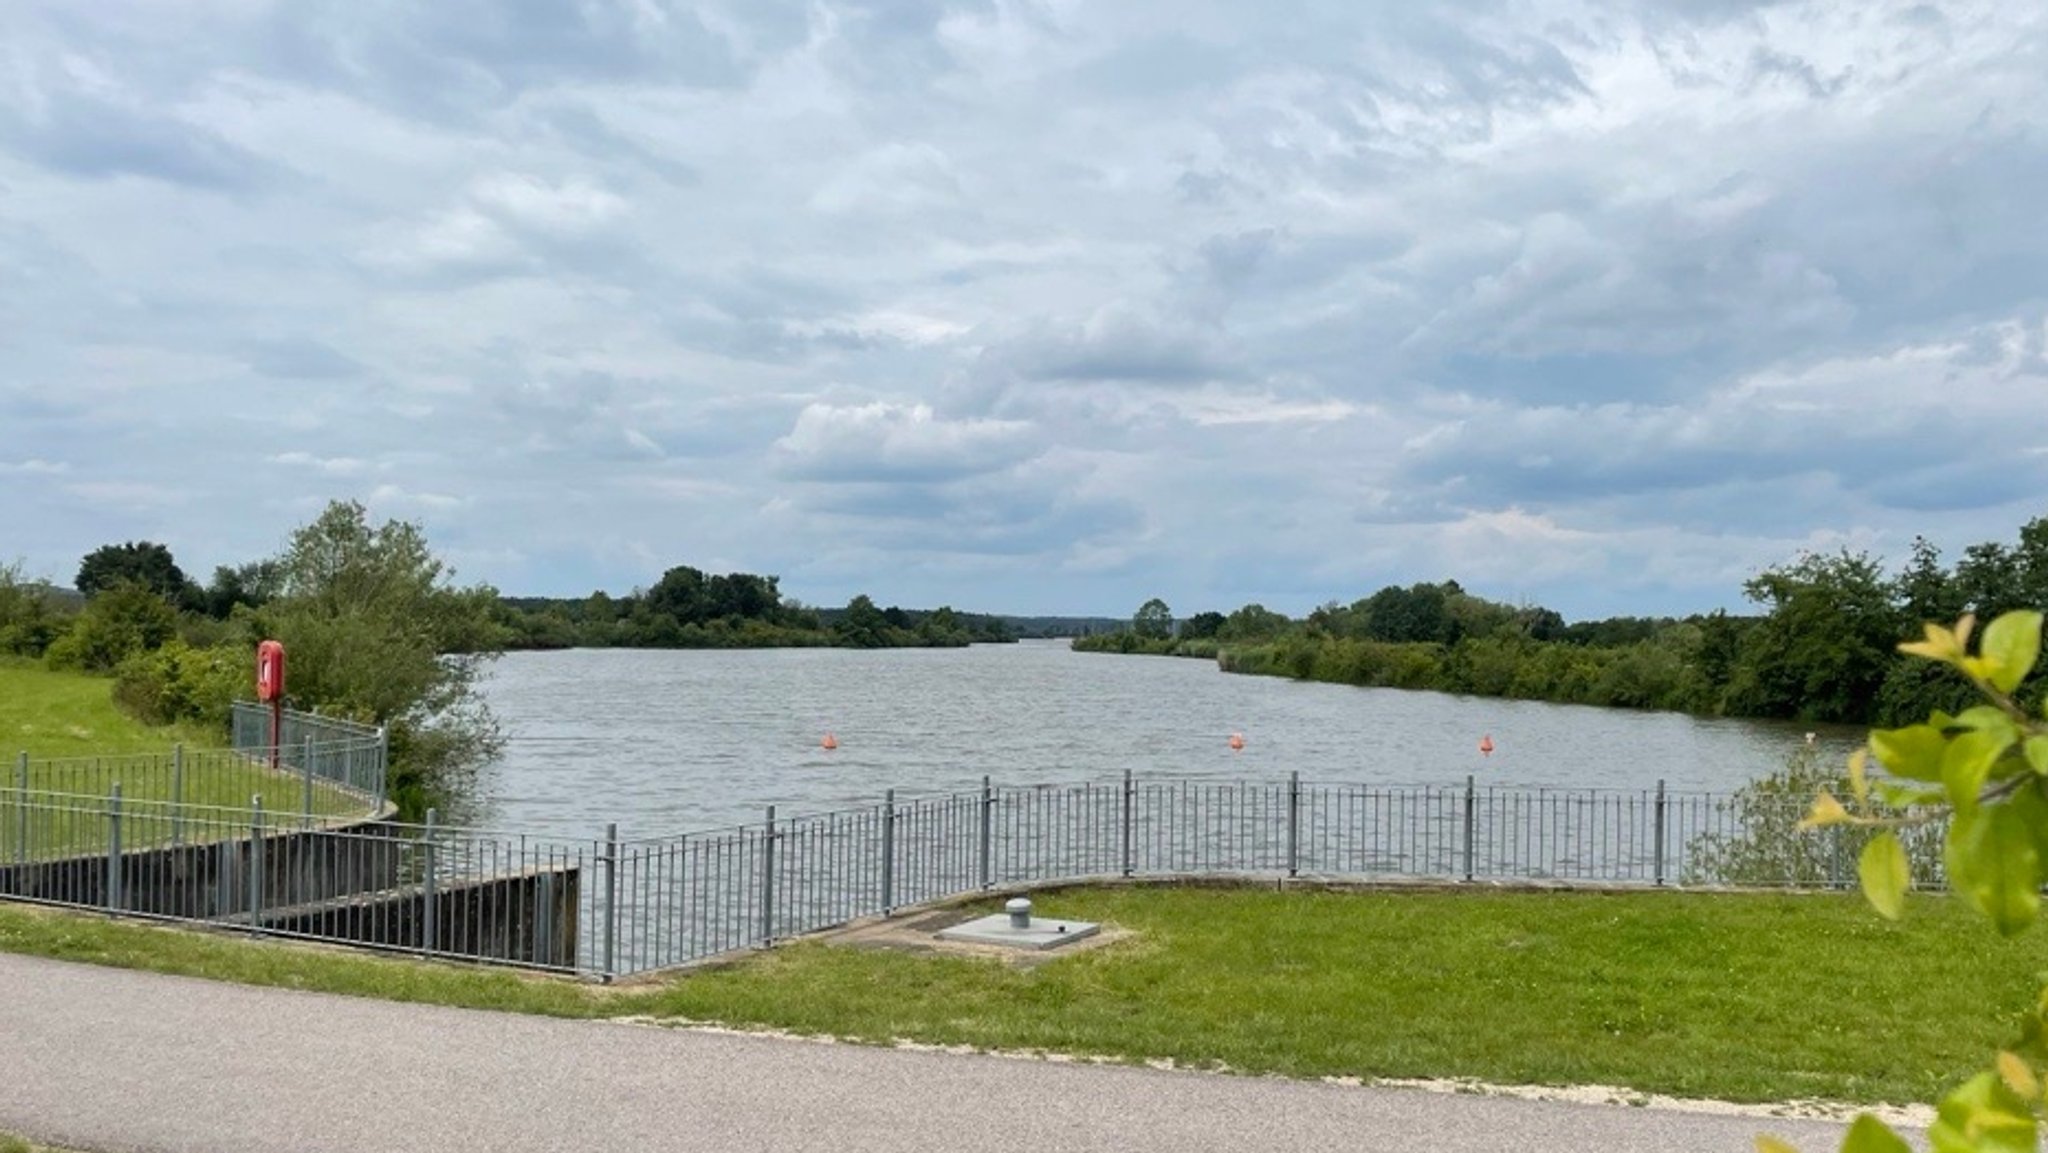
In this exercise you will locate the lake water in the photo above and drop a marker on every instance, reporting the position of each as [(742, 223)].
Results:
[(669, 741)]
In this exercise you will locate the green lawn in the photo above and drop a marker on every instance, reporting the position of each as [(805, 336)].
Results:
[(49, 714), (1746, 997), (79, 742)]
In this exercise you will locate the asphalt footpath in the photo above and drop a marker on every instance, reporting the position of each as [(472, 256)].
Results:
[(112, 1061)]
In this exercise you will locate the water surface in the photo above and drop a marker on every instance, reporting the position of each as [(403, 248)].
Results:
[(667, 741)]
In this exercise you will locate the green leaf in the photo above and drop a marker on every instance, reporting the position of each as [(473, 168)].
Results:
[(1913, 752), (1966, 765), (1870, 1135), (1826, 810), (2011, 645), (1766, 1144), (2037, 754), (1882, 868), (1899, 796), (1988, 719), (1994, 861), (1983, 1116)]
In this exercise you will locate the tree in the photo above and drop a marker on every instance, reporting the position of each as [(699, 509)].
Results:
[(1253, 622), (140, 562), (681, 594), (28, 620), (122, 620), (1984, 771), (1201, 625), (251, 584), (862, 625), (1153, 620), (1824, 648), (378, 631)]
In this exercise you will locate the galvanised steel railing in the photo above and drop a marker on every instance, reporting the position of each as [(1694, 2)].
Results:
[(324, 771), (611, 906)]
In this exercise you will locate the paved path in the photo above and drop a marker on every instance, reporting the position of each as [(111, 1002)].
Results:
[(114, 1061)]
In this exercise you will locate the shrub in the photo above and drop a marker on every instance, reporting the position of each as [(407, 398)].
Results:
[(181, 683), (1771, 848)]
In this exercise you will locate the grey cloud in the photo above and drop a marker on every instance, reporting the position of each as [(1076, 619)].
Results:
[(301, 358), (1118, 343), (85, 136), (457, 59)]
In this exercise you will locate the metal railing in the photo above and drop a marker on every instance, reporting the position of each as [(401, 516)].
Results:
[(328, 771), (610, 906)]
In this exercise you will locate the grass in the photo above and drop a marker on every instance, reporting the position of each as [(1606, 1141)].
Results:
[(79, 741), (51, 714), (1737, 996)]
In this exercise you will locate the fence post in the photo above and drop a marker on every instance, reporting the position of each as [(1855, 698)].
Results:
[(178, 794), (256, 863), (1834, 858), (383, 763), (888, 852), (611, 899), (1293, 822), (1471, 821), (114, 848), (768, 881), (430, 909), (306, 821), (1129, 823), (1658, 838), (988, 806), (21, 812)]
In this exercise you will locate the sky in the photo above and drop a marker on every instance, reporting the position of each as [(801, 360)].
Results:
[(1035, 306)]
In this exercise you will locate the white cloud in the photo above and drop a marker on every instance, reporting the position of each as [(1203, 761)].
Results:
[(887, 441)]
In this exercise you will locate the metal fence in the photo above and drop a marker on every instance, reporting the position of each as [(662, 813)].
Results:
[(328, 771), (610, 906)]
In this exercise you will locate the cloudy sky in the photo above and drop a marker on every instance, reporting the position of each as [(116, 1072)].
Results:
[(1031, 306)]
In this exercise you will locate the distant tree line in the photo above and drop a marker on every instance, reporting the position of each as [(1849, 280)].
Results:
[(1822, 646), (690, 609)]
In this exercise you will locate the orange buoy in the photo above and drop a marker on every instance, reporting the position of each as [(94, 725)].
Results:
[(1236, 742), (1486, 745), (829, 743)]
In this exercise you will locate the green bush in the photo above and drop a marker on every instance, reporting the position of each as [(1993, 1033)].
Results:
[(1772, 848), (180, 683), (118, 623)]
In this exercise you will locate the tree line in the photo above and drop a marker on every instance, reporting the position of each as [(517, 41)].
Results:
[(691, 609), (1821, 647)]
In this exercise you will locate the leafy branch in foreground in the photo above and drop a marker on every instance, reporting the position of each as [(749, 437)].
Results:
[(1985, 770)]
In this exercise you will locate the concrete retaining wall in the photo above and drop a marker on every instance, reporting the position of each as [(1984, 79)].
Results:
[(529, 918), (211, 881)]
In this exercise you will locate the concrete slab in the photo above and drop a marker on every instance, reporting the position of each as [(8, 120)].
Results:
[(1042, 933)]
